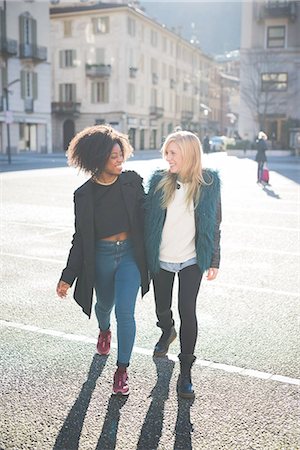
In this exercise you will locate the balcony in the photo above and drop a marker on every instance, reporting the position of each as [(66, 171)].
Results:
[(156, 112), (133, 71), (28, 105), (66, 108), (98, 70), (30, 51), (186, 115), (277, 9), (8, 47)]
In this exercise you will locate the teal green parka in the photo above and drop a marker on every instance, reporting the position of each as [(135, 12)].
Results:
[(208, 217)]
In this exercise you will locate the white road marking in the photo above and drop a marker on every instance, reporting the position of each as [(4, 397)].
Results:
[(142, 351)]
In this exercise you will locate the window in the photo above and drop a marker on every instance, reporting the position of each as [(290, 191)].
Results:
[(274, 82), (131, 26), (67, 28), (67, 58), (131, 94), (28, 29), (67, 92), (100, 25), (276, 37), (100, 91), (28, 84)]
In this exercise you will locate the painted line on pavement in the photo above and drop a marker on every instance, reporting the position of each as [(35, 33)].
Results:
[(142, 351)]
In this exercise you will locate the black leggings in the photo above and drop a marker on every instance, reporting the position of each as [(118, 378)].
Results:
[(189, 284)]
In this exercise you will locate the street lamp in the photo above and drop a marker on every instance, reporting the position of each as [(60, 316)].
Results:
[(8, 118)]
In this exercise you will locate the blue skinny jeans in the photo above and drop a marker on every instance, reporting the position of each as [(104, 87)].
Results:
[(117, 283)]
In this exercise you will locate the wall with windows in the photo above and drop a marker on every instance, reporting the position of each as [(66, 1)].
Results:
[(270, 75), (127, 70)]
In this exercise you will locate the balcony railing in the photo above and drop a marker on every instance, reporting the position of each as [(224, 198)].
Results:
[(63, 108), (186, 115), (8, 47), (277, 9), (156, 112), (98, 70), (31, 51), (28, 105)]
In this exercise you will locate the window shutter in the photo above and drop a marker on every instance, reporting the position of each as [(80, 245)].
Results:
[(61, 58), (2, 23), (74, 58), (73, 92), (61, 93), (35, 85), (23, 84), (33, 31), (22, 29)]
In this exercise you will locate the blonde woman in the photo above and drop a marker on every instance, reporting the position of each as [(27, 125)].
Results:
[(183, 216)]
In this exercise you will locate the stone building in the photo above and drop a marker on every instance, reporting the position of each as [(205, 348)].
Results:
[(25, 94), (112, 64)]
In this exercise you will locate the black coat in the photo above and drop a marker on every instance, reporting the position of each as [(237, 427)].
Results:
[(261, 151), (81, 260)]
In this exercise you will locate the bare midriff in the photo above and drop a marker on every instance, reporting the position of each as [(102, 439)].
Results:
[(117, 237)]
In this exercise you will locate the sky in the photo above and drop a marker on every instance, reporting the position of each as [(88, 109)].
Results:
[(216, 24)]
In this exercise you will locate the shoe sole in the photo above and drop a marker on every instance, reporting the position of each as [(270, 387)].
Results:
[(162, 354), (120, 394), (187, 396), (102, 354)]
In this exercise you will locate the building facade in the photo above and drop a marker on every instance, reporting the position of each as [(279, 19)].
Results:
[(112, 64), (25, 77), (270, 70)]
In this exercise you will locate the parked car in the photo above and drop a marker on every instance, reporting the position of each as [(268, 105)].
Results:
[(217, 143)]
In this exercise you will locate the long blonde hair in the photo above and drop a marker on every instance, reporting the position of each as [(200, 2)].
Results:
[(190, 172)]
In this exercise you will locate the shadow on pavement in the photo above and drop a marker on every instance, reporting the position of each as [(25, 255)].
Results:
[(69, 435), (183, 427), (152, 427), (108, 437), (270, 192)]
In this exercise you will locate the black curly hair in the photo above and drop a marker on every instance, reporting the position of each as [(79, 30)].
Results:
[(90, 149)]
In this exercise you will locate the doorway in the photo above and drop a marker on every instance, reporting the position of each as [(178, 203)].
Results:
[(69, 132)]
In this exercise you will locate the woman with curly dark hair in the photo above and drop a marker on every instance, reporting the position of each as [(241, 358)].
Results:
[(107, 252)]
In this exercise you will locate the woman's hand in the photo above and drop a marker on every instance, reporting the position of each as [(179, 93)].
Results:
[(212, 273), (62, 289)]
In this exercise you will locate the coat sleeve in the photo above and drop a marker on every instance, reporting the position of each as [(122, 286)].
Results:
[(75, 258), (215, 261)]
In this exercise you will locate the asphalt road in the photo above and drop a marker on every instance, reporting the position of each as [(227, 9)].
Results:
[(56, 393)]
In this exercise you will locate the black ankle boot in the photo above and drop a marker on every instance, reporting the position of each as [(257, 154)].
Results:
[(162, 346), (184, 385)]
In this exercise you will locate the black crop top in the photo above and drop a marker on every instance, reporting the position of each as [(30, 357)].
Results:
[(110, 216)]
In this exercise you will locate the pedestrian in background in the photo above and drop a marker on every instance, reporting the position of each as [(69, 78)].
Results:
[(261, 157), (182, 233), (206, 144), (107, 251)]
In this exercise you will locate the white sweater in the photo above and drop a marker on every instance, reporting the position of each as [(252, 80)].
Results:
[(178, 235)]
